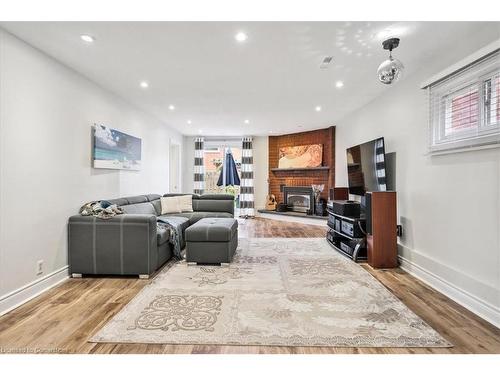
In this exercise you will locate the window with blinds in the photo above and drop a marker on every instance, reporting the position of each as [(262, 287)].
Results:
[(465, 107)]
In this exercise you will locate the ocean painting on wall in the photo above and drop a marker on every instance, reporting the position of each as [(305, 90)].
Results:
[(116, 150)]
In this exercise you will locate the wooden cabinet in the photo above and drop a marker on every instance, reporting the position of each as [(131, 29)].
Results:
[(381, 227)]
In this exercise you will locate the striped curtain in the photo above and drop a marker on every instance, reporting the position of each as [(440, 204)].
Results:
[(199, 169), (246, 188)]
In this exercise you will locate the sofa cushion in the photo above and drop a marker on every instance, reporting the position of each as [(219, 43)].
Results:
[(157, 205), (139, 208), (152, 197), (162, 235), (210, 205), (219, 197), (118, 201), (212, 230), (195, 216), (136, 199)]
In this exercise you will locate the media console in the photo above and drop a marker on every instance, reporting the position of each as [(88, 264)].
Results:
[(346, 234), (371, 236)]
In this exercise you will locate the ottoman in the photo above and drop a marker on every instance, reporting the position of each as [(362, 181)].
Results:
[(211, 241)]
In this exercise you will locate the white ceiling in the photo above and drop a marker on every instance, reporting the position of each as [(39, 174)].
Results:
[(273, 79)]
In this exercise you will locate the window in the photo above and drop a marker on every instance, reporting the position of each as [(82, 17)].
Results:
[(214, 159), (465, 107)]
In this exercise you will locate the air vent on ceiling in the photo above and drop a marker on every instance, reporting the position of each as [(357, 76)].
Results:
[(326, 62)]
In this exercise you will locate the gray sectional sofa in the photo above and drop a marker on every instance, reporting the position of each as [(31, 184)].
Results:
[(132, 243)]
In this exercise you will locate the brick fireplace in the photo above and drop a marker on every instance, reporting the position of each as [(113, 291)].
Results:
[(279, 179)]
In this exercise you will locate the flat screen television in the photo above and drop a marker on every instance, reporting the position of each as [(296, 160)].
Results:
[(366, 167)]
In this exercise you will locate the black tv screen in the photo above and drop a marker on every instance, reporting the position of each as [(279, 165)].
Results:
[(366, 167)]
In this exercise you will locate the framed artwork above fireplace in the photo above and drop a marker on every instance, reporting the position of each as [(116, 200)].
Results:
[(308, 156)]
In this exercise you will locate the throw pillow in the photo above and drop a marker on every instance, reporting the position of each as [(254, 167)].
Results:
[(169, 205), (185, 203)]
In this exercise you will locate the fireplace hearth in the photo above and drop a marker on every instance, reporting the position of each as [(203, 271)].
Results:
[(299, 199)]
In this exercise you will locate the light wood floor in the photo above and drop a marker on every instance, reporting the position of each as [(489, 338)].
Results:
[(62, 319)]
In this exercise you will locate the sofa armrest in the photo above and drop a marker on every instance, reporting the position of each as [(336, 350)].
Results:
[(122, 245)]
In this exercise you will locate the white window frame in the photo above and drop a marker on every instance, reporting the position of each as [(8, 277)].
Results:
[(471, 74)]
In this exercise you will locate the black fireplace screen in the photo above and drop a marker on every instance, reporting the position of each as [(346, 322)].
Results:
[(299, 198)]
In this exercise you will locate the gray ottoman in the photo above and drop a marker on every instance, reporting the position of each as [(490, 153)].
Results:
[(211, 241)]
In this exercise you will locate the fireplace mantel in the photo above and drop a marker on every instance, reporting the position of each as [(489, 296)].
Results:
[(300, 169)]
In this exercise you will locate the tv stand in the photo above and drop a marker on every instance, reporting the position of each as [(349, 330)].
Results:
[(371, 237), (347, 235)]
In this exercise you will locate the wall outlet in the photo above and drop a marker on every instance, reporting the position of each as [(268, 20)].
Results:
[(39, 267), (399, 231)]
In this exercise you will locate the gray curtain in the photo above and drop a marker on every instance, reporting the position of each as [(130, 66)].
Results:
[(246, 188), (199, 169)]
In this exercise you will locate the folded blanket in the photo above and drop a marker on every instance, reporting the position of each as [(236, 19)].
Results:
[(176, 237), (102, 211)]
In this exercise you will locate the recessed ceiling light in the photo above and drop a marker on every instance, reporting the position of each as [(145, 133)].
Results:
[(339, 84), (87, 38), (247, 121), (144, 84), (317, 108), (200, 131), (189, 122), (171, 107), (241, 37)]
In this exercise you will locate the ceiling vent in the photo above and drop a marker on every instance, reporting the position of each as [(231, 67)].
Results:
[(326, 62)]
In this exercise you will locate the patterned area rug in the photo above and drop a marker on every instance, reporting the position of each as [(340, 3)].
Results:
[(287, 292)]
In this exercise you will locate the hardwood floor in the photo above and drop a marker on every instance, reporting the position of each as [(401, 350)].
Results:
[(62, 319)]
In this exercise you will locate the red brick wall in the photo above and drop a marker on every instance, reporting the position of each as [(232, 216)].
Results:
[(326, 137)]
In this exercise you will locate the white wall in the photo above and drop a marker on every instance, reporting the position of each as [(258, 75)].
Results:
[(46, 113), (448, 205)]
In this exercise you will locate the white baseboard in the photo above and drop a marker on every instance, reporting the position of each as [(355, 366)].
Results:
[(476, 305), (22, 295), (293, 219)]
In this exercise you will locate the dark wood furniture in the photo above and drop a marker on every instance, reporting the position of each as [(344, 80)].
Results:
[(381, 228)]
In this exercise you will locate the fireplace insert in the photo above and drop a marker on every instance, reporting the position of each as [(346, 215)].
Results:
[(299, 199)]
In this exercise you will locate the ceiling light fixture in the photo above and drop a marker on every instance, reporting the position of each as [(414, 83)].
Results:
[(241, 37), (189, 122), (144, 84), (339, 84), (87, 38), (171, 107), (317, 108), (391, 69), (392, 31), (247, 121)]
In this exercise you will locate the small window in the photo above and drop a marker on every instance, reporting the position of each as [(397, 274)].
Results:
[(465, 107)]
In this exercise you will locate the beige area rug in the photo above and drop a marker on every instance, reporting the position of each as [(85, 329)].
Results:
[(287, 292)]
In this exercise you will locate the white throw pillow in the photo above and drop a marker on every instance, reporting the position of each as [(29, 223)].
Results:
[(185, 203), (170, 205)]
